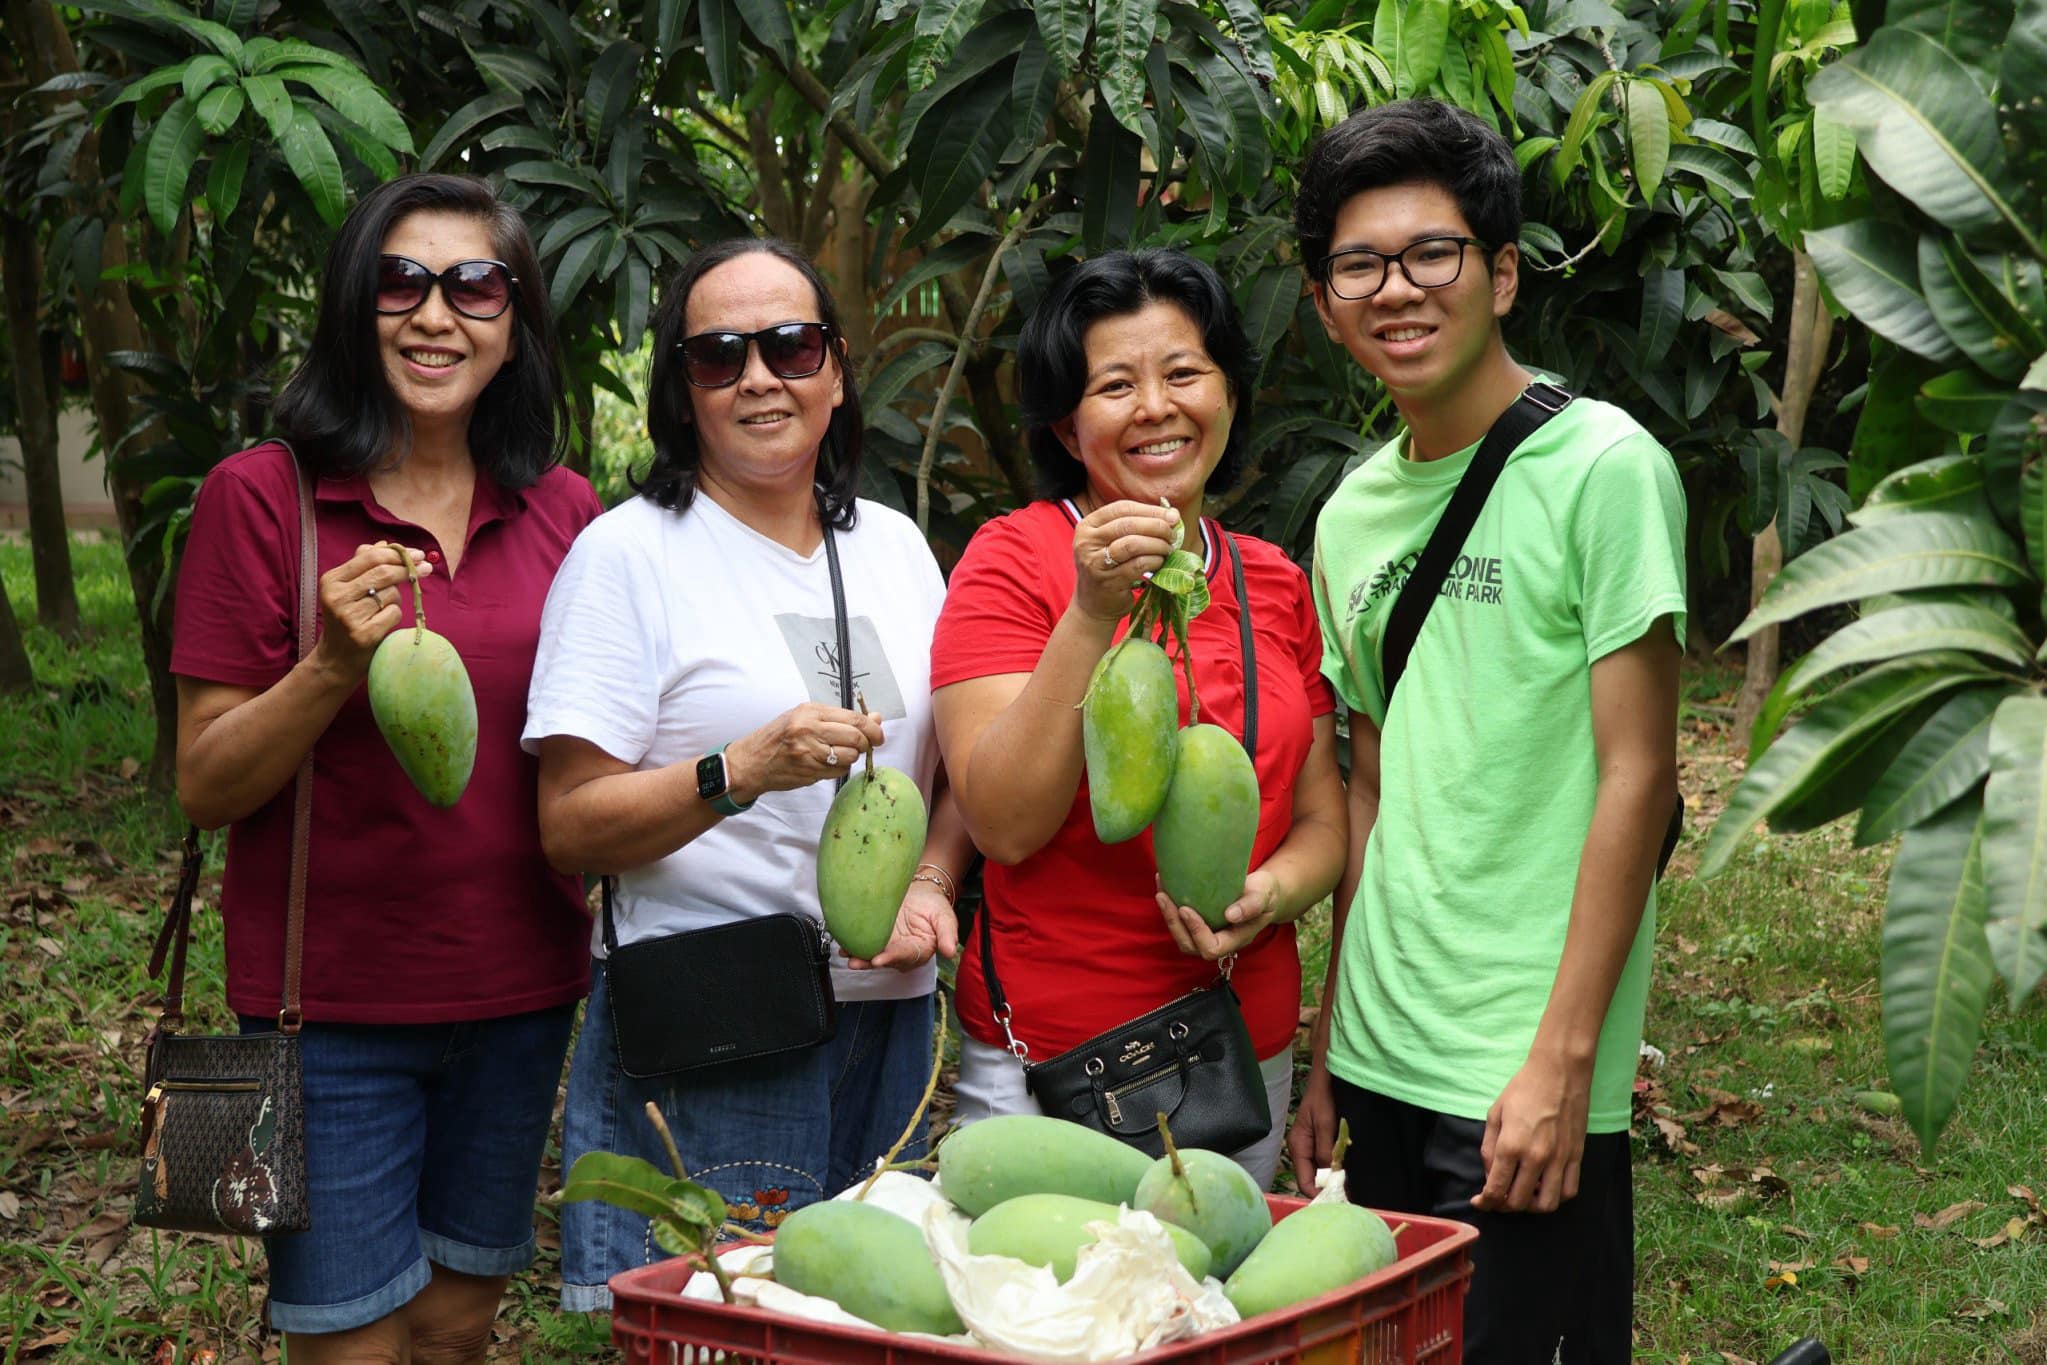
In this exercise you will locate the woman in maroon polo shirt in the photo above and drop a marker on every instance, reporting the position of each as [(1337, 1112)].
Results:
[(1134, 377), (443, 957)]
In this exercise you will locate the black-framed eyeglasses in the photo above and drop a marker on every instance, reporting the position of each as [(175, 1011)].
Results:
[(792, 350), (1360, 272), (475, 289)]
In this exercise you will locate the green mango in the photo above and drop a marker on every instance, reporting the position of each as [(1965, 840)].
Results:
[(1308, 1253), (873, 838), (1212, 1197), (1202, 835), (870, 1262), (988, 1163), (1050, 1230), (1126, 732), (423, 703)]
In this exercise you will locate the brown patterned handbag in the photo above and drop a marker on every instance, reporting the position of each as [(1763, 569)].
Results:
[(223, 1119)]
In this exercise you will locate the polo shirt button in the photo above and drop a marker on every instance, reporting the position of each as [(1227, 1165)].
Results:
[(433, 556)]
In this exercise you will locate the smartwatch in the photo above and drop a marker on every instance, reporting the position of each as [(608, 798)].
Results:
[(711, 784)]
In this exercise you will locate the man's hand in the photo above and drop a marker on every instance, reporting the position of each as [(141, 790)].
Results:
[(1313, 1135), (1535, 1137)]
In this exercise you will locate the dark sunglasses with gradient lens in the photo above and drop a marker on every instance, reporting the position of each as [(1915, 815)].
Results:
[(792, 350), (475, 289)]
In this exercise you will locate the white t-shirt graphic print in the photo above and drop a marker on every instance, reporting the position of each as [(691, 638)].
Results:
[(669, 634)]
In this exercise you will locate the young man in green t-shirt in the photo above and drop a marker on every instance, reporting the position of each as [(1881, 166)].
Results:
[(1484, 1002)]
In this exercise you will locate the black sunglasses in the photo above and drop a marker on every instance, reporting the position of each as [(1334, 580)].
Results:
[(475, 289), (792, 350)]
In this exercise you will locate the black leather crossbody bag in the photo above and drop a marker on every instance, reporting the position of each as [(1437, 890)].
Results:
[(731, 992), (224, 1115), (1190, 1059), (1539, 402)]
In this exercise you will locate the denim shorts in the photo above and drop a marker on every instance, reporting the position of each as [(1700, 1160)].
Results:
[(423, 1143), (770, 1136)]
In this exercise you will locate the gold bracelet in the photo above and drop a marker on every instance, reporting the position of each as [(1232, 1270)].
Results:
[(938, 877)]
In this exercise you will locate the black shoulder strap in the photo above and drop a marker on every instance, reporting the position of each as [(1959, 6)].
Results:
[(1539, 402), (1250, 648)]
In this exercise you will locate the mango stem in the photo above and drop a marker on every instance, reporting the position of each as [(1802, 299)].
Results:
[(930, 1089), (860, 700), (1337, 1152), (1179, 1167), (418, 598)]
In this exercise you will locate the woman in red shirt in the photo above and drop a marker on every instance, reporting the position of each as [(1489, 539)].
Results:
[(442, 956), (1135, 377)]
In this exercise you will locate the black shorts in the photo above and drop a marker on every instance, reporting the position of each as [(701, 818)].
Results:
[(1545, 1287)]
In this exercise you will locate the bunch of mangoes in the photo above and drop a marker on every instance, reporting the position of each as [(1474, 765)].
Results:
[(1195, 787), (424, 705), (1033, 1186)]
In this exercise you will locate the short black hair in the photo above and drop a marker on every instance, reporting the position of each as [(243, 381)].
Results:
[(337, 409), (671, 480), (1051, 352), (1407, 142)]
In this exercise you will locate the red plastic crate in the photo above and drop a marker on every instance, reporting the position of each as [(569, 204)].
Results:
[(1410, 1312)]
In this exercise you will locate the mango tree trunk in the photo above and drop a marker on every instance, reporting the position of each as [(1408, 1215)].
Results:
[(16, 675), (35, 406), (1812, 327), (107, 319)]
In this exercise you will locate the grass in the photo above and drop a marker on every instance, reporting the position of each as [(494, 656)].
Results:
[(1768, 1205)]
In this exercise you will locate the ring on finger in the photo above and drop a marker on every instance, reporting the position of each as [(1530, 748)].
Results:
[(831, 755), (1108, 559), (373, 595)]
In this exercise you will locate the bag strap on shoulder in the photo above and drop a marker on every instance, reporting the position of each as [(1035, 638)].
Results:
[(1539, 402)]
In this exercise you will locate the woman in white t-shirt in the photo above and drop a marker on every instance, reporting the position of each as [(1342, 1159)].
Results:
[(687, 708)]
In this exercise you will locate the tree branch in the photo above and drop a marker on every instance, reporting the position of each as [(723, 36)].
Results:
[(767, 165), (967, 343), (818, 211)]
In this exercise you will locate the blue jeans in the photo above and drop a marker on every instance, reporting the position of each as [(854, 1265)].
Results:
[(423, 1143), (769, 1136)]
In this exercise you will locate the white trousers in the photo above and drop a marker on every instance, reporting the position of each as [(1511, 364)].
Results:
[(992, 1082)]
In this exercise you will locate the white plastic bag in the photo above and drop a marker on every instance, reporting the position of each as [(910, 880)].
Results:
[(1129, 1293)]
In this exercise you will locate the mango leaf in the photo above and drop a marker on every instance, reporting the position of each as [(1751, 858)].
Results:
[(2015, 840), (614, 77), (224, 180), (173, 147), (940, 26), (220, 107), (1962, 401), (772, 25), (1971, 29), (720, 24), (1411, 35), (583, 256), (1976, 315), (919, 359), (465, 121), (1110, 172), (1841, 731), (1123, 33), (1930, 550), (1872, 267), (1891, 435), (2023, 67), (355, 99), (1833, 154), (1927, 128), (640, 1187), (1063, 24), (1580, 125), (954, 151), (1936, 965), (155, 81), (1648, 135), (1946, 483), (1886, 635), (2017, 438), (1947, 758), (203, 72), (1713, 166), (311, 158)]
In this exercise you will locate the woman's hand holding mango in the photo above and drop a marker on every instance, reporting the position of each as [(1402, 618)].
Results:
[(926, 927), (1114, 547), (360, 603), (804, 744), (1248, 917)]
